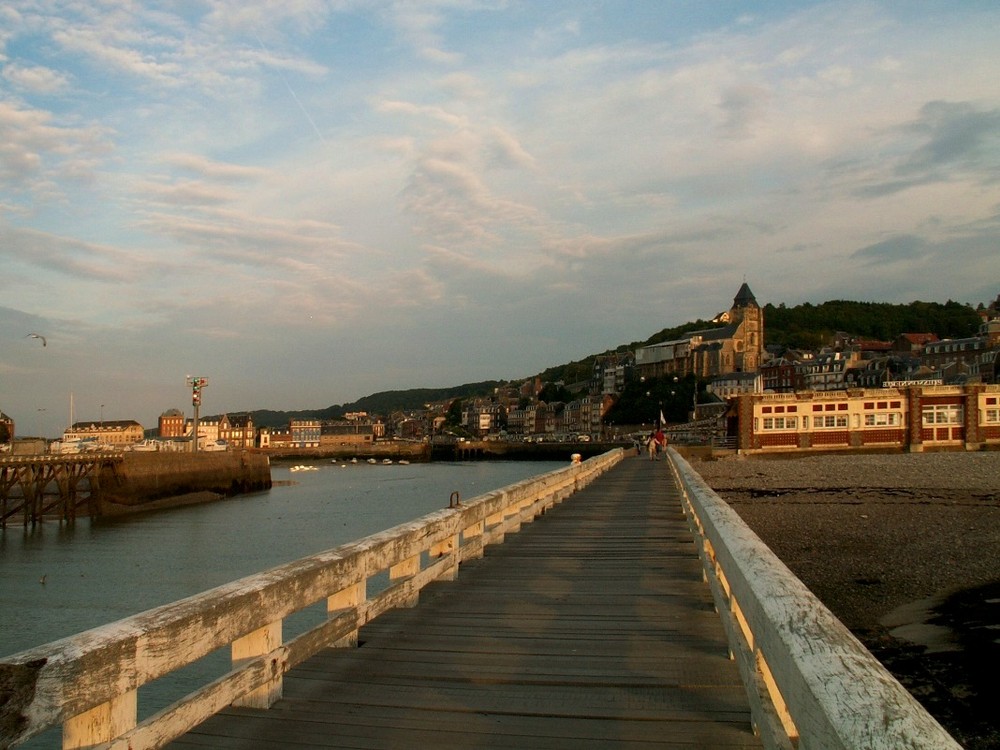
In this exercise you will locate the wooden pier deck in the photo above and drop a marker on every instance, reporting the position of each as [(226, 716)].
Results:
[(590, 628)]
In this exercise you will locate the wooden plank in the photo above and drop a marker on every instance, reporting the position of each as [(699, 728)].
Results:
[(591, 627)]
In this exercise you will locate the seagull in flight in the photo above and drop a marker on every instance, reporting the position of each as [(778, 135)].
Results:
[(36, 336)]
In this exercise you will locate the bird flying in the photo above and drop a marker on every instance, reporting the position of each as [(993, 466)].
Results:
[(36, 336)]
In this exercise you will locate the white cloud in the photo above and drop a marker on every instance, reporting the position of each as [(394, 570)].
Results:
[(331, 183), (36, 79)]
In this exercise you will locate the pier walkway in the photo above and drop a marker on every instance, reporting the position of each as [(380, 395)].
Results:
[(615, 602), (590, 628)]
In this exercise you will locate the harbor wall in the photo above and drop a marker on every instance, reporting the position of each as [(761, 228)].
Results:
[(394, 449), (144, 481)]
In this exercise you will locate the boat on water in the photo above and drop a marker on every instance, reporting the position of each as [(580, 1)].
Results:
[(304, 467), (386, 461), (404, 462), (372, 461), (145, 446), (74, 445)]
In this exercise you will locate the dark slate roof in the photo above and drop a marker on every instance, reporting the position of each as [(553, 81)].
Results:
[(744, 297), (714, 334)]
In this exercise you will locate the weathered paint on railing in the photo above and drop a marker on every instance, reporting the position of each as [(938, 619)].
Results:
[(89, 682), (811, 683)]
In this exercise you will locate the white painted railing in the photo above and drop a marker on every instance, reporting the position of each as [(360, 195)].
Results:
[(812, 684), (89, 682)]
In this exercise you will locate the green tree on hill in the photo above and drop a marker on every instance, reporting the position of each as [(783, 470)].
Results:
[(809, 326)]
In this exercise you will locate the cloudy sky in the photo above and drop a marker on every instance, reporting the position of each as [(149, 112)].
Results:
[(308, 202)]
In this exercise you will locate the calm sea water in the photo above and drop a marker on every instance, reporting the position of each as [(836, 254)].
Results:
[(58, 579)]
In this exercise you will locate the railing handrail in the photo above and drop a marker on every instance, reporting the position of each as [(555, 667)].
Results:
[(49, 458), (88, 682), (812, 684)]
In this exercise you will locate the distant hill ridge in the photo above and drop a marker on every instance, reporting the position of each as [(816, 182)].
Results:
[(804, 326)]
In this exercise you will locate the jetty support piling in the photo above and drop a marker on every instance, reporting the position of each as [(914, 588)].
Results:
[(39, 487), (64, 487)]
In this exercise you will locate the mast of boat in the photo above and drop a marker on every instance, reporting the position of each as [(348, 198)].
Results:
[(70, 410)]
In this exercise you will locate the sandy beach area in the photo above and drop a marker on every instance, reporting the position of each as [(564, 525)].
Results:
[(905, 550)]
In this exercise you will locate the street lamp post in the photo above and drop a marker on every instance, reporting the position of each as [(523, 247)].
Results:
[(196, 383)]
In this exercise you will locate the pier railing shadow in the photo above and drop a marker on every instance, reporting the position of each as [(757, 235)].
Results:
[(89, 682)]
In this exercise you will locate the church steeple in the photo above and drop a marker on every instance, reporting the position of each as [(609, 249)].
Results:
[(744, 297)]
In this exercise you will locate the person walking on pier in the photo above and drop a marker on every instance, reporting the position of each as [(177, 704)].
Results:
[(661, 441)]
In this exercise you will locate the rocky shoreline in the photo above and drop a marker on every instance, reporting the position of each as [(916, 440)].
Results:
[(905, 550)]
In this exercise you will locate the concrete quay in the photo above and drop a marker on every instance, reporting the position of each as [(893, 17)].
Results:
[(147, 481)]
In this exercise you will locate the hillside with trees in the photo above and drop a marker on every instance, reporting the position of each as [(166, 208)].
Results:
[(808, 326), (804, 326)]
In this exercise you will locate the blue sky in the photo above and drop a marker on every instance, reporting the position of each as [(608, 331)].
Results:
[(307, 202)]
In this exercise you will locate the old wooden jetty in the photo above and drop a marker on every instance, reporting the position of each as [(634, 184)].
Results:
[(35, 487), (635, 611)]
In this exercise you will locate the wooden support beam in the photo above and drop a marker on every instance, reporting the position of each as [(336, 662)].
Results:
[(259, 643)]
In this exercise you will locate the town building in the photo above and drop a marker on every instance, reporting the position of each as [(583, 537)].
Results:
[(953, 358), (172, 424), (484, 416), (733, 384), (348, 433), (737, 345), (828, 370), (6, 429), (785, 374), (117, 434), (912, 343), (236, 430), (912, 418), (208, 431), (611, 372), (304, 433)]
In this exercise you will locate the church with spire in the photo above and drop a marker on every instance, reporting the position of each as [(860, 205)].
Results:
[(735, 345)]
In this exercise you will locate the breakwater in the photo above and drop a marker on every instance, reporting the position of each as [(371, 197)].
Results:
[(393, 449), (144, 481)]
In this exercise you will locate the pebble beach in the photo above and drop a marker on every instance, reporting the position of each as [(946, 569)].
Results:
[(904, 549)]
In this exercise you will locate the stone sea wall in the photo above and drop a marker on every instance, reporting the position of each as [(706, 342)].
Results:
[(158, 479)]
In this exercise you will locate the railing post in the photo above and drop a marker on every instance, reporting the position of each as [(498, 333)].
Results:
[(348, 598), (102, 723), (405, 569), (777, 699), (447, 547), (255, 644)]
